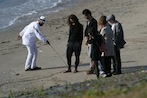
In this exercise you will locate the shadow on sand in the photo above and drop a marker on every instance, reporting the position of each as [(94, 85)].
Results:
[(132, 69), (85, 64)]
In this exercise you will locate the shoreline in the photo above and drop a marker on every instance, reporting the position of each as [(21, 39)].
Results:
[(26, 11), (33, 15), (132, 15)]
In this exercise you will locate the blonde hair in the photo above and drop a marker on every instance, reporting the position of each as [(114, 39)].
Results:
[(102, 20)]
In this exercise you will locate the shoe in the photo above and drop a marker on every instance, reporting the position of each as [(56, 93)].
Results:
[(116, 73), (102, 72), (108, 75), (113, 72), (75, 71), (104, 75), (28, 69), (36, 68), (90, 71), (67, 71)]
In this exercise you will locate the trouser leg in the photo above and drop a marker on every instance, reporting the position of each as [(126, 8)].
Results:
[(77, 60), (68, 56), (34, 60), (107, 64), (89, 52), (77, 55), (29, 57), (118, 60), (114, 63), (118, 67), (95, 65), (102, 64)]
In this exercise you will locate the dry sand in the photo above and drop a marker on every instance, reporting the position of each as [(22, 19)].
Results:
[(131, 13)]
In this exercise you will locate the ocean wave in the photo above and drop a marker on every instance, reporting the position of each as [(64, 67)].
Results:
[(9, 15), (16, 18), (20, 11)]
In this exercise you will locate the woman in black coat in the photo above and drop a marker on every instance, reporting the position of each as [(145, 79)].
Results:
[(74, 41), (95, 40)]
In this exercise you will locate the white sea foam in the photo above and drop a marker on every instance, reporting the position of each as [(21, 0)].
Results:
[(12, 11)]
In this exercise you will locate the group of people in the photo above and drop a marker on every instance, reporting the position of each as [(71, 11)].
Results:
[(110, 33)]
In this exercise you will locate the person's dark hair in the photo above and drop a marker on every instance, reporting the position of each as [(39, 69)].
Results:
[(86, 12), (74, 18)]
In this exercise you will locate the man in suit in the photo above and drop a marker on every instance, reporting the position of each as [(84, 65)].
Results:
[(119, 42)]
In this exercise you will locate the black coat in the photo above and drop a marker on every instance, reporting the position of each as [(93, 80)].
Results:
[(76, 33), (119, 35), (92, 26)]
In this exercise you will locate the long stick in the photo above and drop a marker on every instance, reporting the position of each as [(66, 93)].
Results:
[(58, 55), (54, 49)]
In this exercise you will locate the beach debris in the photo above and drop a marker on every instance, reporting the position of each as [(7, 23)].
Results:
[(3, 42), (40, 51), (144, 71), (17, 74), (88, 84)]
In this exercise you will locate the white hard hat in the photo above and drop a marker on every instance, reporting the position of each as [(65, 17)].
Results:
[(42, 18)]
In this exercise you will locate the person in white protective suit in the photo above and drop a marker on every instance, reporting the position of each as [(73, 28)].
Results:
[(29, 35)]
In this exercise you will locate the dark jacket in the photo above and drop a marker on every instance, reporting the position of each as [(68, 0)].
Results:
[(92, 25), (76, 33), (119, 35), (95, 51)]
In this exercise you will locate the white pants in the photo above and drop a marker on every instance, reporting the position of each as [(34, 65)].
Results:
[(31, 57), (89, 53)]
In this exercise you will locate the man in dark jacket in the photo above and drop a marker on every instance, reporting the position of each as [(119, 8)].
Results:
[(90, 26), (119, 42)]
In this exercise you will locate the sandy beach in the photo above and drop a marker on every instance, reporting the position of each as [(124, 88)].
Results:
[(13, 77)]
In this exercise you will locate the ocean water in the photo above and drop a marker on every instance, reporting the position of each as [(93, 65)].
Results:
[(17, 11)]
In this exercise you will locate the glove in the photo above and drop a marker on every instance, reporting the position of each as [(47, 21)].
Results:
[(19, 37), (48, 42)]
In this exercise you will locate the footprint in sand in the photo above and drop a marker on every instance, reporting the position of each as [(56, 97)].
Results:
[(4, 42)]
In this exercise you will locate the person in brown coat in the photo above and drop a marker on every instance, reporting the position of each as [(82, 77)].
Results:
[(108, 54)]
